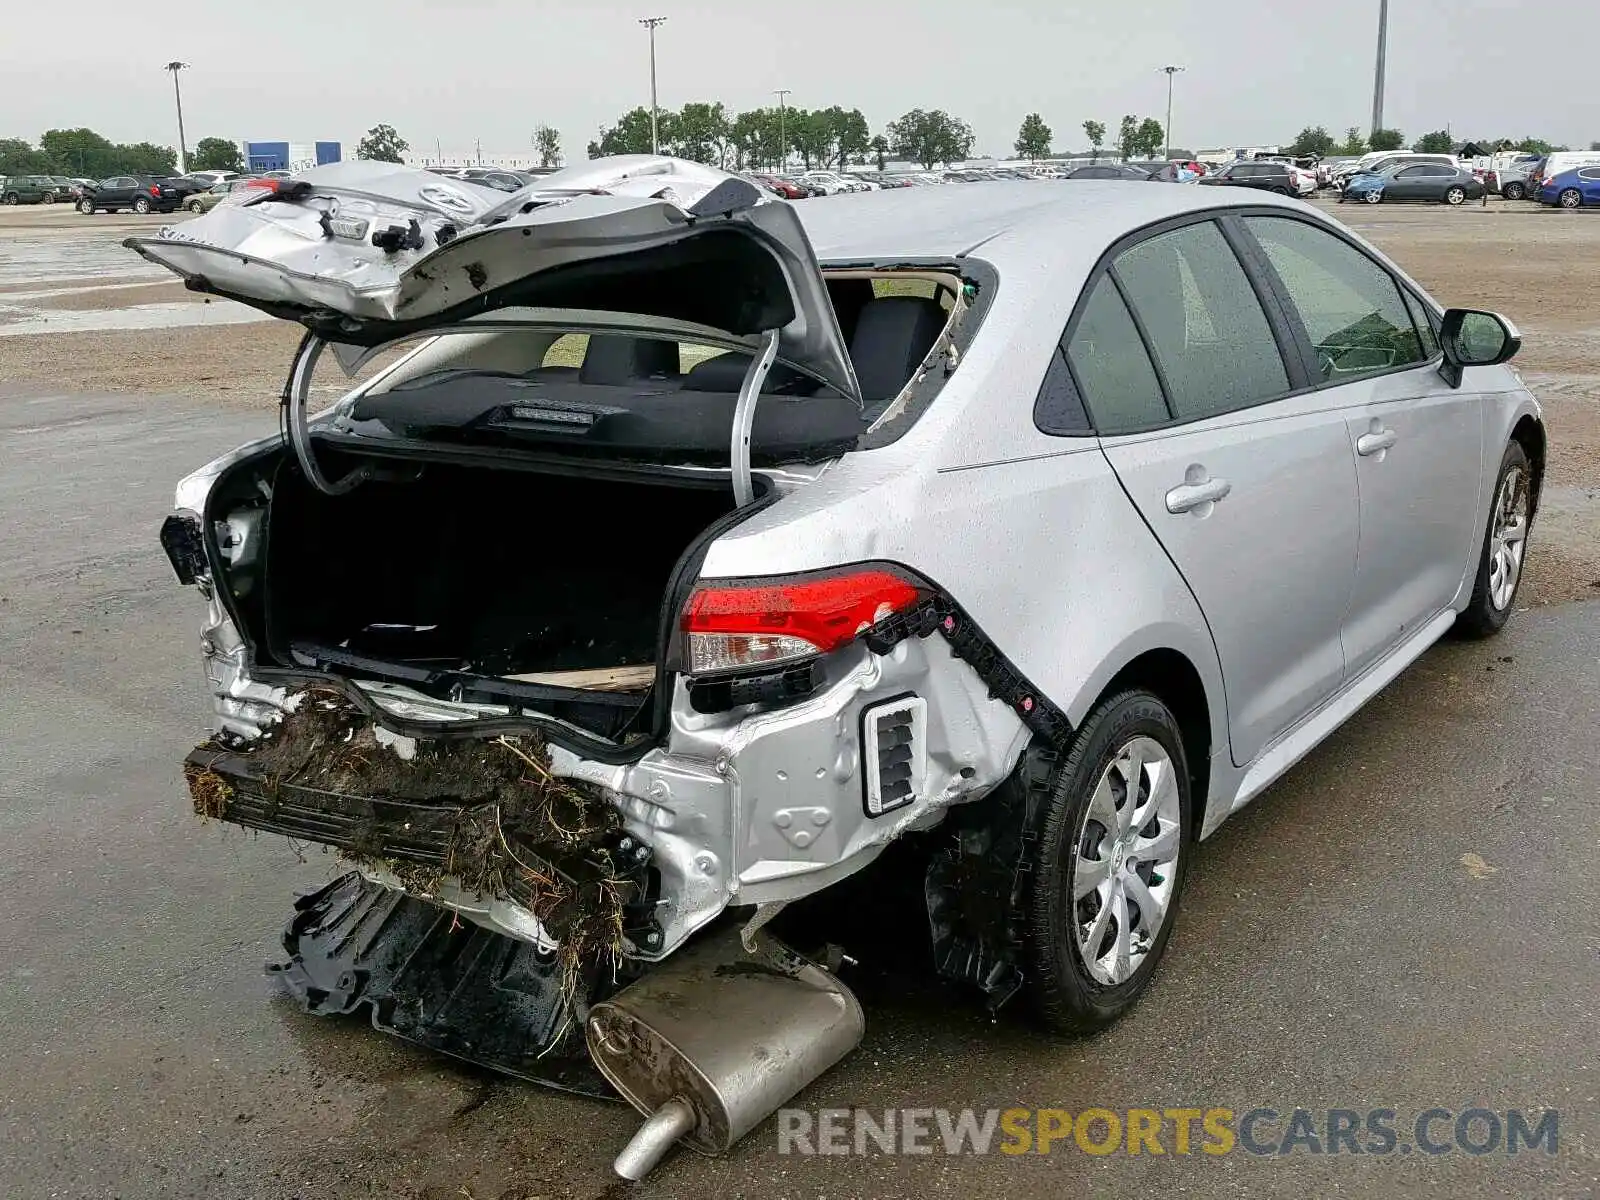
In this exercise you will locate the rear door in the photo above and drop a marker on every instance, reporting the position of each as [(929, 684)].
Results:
[(1248, 484), (1417, 442)]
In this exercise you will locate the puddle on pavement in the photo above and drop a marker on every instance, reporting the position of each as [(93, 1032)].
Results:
[(17, 321)]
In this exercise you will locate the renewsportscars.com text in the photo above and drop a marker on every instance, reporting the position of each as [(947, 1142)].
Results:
[(1263, 1132)]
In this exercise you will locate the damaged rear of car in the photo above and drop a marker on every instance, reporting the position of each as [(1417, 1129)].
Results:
[(461, 626)]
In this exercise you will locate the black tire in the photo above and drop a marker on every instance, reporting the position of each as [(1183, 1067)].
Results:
[(1514, 191), (86, 207), (1483, 617), (1455, 196), (195, 206), (141, 205), (1278, 191), (48, 198), (10, 198), (1066, 996), (1570, 198)]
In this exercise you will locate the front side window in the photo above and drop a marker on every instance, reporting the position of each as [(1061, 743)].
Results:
[(1207, 332), (1350, 306)]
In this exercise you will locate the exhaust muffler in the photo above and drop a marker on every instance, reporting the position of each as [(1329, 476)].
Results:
[(715, 1040)]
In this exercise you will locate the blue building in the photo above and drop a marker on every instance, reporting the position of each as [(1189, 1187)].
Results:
[(288, 156)]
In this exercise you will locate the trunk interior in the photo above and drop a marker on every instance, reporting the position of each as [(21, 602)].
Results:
[(548, 581)]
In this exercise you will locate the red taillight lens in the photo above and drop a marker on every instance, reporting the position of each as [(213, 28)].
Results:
[(154, 190), (734, 626)]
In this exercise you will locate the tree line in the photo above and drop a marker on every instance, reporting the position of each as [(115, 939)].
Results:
[(706, 132), (1317, 140), (85, 154)]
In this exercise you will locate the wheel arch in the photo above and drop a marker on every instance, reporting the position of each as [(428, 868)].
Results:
[(1529, 433), (1169, 675)]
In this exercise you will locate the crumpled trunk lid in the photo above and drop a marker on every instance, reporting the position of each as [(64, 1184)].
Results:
[(366, 252)]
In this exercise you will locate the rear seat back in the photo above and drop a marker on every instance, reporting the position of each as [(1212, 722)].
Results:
[(616, 359)]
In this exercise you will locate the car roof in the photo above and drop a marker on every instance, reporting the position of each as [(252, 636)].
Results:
[(1017, 224)]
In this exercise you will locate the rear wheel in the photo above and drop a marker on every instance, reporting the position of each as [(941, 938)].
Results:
[(1571, 198), (10, 198), (1113, 851), (195, 206), (1505, 546), (1455, 195), (1514, 191), (141, 205)]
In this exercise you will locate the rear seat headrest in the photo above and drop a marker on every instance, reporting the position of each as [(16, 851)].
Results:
[(616, 359), (893, 335)]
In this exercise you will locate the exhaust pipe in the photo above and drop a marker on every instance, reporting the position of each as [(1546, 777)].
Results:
[(715, 1040)]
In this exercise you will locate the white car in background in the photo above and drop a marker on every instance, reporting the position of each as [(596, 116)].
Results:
[(832, 183)]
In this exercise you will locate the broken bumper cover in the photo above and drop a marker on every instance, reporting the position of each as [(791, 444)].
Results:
[(446, 985), (746, 807)]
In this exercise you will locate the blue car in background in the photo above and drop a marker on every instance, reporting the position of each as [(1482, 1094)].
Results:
[(1572, 189)]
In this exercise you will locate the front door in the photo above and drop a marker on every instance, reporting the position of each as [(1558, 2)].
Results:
[(1416, 442), (1250, 490)]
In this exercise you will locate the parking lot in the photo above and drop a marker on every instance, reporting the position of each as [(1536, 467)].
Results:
[(1405, 922)]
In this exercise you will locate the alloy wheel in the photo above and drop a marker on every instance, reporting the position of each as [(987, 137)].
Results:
[(1125, 861), (1373, 197), (1455, 196), (1571, 198), (1508, 538)]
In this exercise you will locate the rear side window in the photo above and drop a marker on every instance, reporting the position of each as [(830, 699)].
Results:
[(1350, 306), (1212, 343), (1113, 371)]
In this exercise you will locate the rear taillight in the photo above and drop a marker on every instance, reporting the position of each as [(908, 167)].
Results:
[(154, 190), (731, 626)]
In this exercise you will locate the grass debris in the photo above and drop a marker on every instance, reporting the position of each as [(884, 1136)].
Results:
[(485, 813)]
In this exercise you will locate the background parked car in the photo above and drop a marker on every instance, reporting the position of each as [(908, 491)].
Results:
[(831, 183), (1572, 189), (205, 201), (1109, 171), (1431, 181), (33, 189), (138, 193), (1275, 177)]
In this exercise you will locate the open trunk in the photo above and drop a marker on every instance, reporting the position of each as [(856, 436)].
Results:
[(502, 586)]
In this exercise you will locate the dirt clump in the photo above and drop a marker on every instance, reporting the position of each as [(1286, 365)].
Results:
[(485, 813)]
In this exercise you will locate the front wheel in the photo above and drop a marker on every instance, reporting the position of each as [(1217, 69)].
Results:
[(86, 207), (48, 198), (1455, 196), (1514, 191), (1373, 197), (1113, 851), (1505, 547), (141, 206), (1571, 198)]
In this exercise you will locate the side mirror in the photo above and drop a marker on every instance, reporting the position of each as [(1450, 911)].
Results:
[(1475, 339)]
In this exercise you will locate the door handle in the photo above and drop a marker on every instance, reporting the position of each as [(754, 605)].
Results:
[(1376, 442), (1190, 496)]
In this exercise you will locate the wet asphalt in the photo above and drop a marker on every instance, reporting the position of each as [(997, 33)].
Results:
[(1409, 920)]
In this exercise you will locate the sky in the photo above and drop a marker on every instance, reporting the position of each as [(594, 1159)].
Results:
[(454, 72)]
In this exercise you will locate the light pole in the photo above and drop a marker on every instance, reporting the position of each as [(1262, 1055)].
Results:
[(1378, 72), (1169, 71), (650, 23), (783, 146), (183, 152)]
